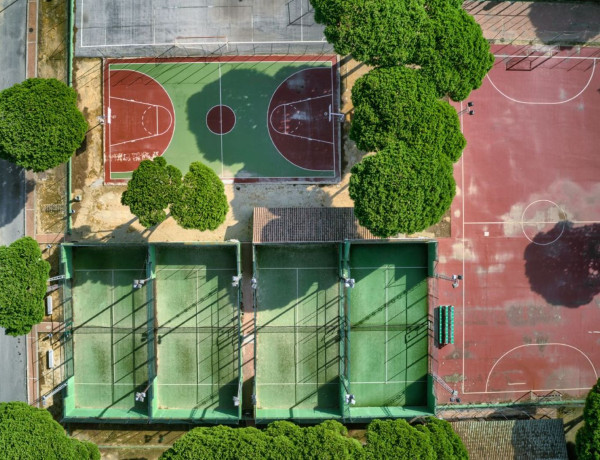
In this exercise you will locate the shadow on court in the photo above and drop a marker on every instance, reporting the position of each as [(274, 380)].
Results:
[(563, 264)]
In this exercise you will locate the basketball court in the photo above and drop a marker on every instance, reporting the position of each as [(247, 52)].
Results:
[(297, 332), (526, 232), (249, 118)]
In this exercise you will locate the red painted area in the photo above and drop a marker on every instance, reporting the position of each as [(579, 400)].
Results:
[(299, 122), (526, 234), (141, 121), (220, 119)]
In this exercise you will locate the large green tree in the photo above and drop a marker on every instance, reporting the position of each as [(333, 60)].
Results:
[(398, 103), (437, 36), (201, 202), (397, 439), (154, 185), (28, 433), (23, 278), (401, 190), (587, 441), (40, 124)]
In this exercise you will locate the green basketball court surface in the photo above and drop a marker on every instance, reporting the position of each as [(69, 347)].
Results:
[(267, 118)]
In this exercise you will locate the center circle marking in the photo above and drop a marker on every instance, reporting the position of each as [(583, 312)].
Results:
[(220, 119), (550, 214)]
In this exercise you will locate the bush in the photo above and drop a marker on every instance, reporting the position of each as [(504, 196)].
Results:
[(397, 439), (28, 433), (40, 124), (459, 56), (587, 441), (201, 202), (400, 190), (397, 103), (446, 444), (23, 278), (152, 188)]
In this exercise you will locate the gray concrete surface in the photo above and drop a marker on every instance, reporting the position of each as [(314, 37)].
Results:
[(13, 17), (196, 27)]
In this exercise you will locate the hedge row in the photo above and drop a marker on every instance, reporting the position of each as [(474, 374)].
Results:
[(388, 439)]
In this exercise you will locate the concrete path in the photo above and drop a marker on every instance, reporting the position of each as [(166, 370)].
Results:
[(13, 21)]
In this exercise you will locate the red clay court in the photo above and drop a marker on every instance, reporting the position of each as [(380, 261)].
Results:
[(526, 232)]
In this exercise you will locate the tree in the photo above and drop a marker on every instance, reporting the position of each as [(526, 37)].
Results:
[(201, 202), (401, 190), (587, 441), (398, 103), (458, 57), (40, 124), (23, 278), (376, 32), (154, 185), (437, 36), (29, 433)]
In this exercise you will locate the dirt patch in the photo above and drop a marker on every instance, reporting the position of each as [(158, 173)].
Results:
[(101, 217)]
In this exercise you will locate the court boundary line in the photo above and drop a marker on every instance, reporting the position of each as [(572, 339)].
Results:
[(463, 239), (545, 103), (330, 68), (309, 59)]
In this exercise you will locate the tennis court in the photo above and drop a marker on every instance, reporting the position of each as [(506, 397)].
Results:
[(388, 338), (198, 332), (250, 118), (297, 337), (109, 333)]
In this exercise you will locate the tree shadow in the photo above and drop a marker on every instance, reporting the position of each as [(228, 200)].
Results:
[(563, 264), (13, 194)]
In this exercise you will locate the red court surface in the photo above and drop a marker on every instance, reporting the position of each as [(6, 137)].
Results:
[(526, 232)]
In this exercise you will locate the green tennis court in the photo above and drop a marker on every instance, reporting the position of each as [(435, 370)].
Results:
[(298, 332), (249, 118), (388, 328), (197, 319), (109, 327)]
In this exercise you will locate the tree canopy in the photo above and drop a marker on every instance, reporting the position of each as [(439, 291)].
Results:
[(329, 440), (437, 36), (201, 202), (152, 188), (587, 441), (40, 124), (401, 190), (29, 433), (398, 103), (23, 278)]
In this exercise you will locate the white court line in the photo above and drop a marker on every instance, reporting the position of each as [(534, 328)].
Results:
[(221, 119), (518, 383), (544, 103), (82, 270), (384, 267), (536, 345), (196, 384), (462, 185), (294, 383), (194, 269), (299, 268), (390, 381)]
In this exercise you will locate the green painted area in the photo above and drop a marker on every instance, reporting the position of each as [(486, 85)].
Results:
[(297, 362), (198, 335), (109, 348), (389, 328), (246, 87)]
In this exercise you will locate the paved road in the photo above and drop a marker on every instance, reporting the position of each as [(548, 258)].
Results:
[(13, 17)]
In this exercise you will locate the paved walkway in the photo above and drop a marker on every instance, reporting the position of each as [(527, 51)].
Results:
[(537, 22)]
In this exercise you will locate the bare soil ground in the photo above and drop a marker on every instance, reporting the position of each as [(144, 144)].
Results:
[(101, 217)]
